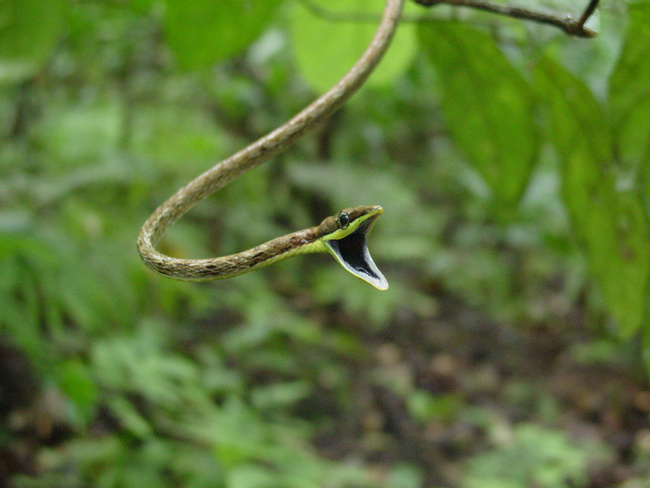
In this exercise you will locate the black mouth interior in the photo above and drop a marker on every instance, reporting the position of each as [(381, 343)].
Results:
[(353, 252)]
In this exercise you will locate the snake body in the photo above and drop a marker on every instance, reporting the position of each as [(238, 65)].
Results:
[(342, 235)]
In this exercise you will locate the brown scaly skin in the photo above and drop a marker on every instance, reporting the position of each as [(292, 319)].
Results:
[(304, 241)]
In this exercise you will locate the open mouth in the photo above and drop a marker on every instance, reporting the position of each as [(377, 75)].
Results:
[(352, 252)]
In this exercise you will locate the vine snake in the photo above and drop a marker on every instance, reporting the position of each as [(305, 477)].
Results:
[(343, 235)]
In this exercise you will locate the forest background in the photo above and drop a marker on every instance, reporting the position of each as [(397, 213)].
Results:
[(510, 158)]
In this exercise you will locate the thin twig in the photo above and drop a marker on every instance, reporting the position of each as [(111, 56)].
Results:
[(591, 8), (565, 23)]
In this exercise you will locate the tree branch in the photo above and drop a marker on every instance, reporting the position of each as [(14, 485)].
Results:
[(565, 23)]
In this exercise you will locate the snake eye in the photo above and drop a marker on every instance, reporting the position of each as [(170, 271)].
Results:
[(343, 220)]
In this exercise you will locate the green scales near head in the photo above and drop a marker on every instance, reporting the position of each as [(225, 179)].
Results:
[(345, 238)]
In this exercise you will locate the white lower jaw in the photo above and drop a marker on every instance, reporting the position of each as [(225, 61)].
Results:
[(366, 270)]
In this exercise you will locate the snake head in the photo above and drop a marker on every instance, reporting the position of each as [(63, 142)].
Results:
[(344, 236)]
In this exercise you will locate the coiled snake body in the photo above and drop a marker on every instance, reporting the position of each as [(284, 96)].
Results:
[(343, 235)]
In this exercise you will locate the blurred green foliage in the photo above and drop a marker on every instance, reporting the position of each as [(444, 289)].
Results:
[(611, 222), (511, 165), (497, 131), (534, 456)]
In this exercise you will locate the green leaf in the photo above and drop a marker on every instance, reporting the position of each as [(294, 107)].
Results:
[(327, 42), (629, 98), (487, 105), (201, 33), (611, 224), (29, 30)]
